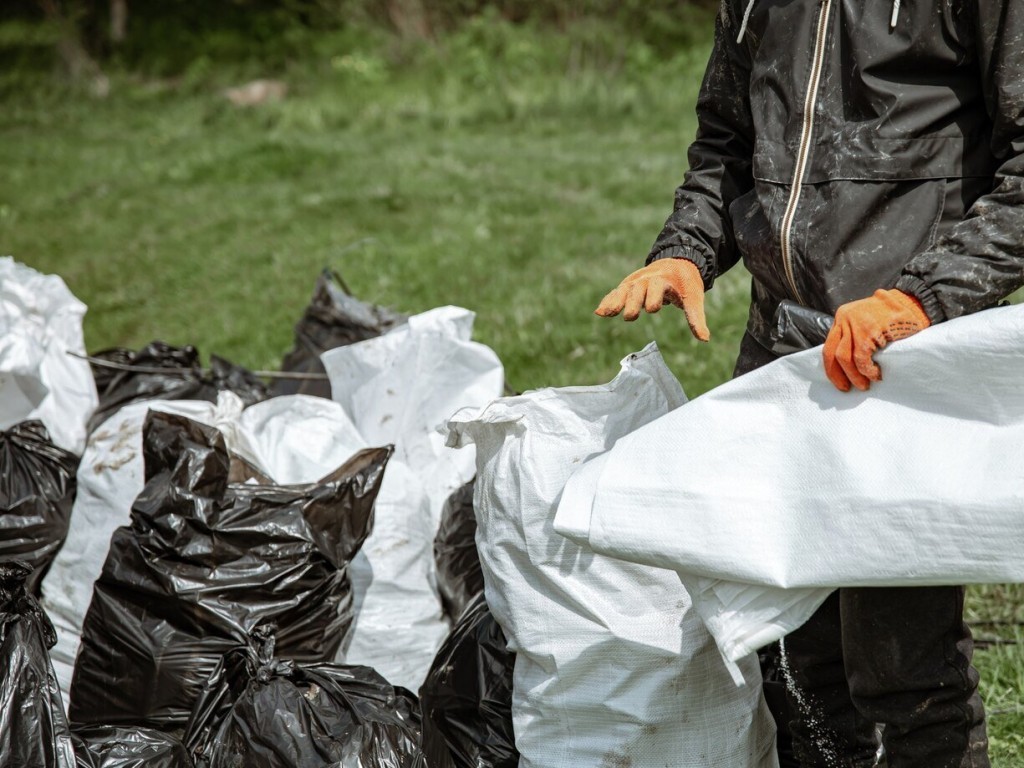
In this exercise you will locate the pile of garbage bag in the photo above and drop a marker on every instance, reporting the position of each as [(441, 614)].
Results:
[(179, 514), (215, 549), (212, 571)]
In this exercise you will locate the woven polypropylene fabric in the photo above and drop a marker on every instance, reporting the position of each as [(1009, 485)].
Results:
[(798, 488), (613, 668)]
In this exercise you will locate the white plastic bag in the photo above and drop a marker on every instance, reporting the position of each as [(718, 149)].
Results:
[(612, 667), (40, 322), (398, 389), (774, 488)]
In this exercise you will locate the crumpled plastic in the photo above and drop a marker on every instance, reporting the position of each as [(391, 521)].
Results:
[(37, 489), (334, 318), (293, 439), (214, 550), (459, 576), (466, 699), (257, 710), (40, 323), (184, 380), (33, 731), (798, 328), (110, 476), (111, 747), (785, 488)]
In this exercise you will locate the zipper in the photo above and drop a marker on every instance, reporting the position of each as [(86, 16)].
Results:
[(806, 134)]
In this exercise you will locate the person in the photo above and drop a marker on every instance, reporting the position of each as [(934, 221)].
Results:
[(865, 159)]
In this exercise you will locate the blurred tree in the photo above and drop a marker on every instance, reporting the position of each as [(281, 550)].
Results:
[(118, 20), (163, 38), (409, 18), (75, 60)]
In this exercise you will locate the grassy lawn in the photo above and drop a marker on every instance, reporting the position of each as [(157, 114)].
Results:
[(517, 173), (499, 186)]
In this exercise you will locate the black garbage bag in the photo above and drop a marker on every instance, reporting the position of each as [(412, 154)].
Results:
[(207, 558), (110, 747), (37, 489), (459, 576), (798, 328), (256, 710), (184, 379), (334, 318), (466, 700), (33, 731)]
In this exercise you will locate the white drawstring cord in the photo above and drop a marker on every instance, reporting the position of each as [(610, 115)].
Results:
[(895, 14), (746, 18)]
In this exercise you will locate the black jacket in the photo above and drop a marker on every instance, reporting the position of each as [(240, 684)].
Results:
[(837, 154)]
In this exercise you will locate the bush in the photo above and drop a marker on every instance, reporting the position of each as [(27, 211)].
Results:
[(164, 39)]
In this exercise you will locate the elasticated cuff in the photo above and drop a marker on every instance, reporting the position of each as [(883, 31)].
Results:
[(923, 292), (690, 253)]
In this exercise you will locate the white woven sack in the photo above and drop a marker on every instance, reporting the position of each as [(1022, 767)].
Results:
[(612, 667), (787, 488), (294, 439), (400, 388), (40, 322)]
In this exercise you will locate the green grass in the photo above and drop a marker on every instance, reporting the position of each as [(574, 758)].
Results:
[(512, 171), (511, 179)]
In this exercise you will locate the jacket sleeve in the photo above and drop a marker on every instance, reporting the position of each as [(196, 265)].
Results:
[(720, 160), (981, 259)]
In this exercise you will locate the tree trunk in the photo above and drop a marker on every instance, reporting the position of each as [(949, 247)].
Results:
[(410, 18), (76, 62), (118, 20)]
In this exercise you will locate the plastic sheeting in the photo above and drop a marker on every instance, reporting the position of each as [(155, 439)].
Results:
[(256, 710), (184, 379), (399, 388), (466, 699), (110, 476), (213, 551), (40, 322), (459, 576), (334, 318), (37, 489), (33, 731), (784, 487), (612, 667)]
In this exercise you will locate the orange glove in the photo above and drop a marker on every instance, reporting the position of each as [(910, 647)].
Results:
[(665, 281), (861, 327)]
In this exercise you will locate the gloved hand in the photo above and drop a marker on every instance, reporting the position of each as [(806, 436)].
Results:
[(863, 326), (665, 281)]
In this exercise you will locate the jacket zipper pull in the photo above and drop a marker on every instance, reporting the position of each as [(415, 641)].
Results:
[(895, 13)]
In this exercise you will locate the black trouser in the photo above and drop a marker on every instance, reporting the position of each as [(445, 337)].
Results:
[(899, 657)]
